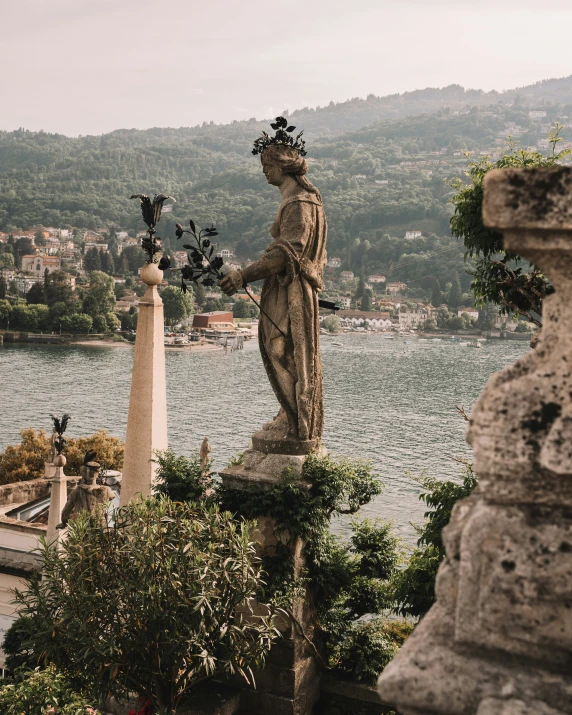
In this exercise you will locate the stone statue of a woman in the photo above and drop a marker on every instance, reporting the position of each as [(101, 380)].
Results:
[(292, 269)]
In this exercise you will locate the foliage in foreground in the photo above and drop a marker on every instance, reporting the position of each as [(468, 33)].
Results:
[(368, 648), (43, 692), (181, 478), (414, 586), (25, 461), (345, 580), (151, 603), (500, 277)]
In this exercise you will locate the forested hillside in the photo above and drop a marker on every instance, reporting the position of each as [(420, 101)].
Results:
[(378, 181)]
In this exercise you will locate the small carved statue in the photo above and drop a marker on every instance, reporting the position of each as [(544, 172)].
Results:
[(205, 456), (292, 269), (87, 496)]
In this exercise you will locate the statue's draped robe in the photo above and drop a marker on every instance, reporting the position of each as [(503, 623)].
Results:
[(290, 300)]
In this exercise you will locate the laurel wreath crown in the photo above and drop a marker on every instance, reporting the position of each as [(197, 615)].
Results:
[(284, 136)]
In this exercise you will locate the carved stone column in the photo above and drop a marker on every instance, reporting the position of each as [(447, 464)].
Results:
[(498, 641), (289, 682), (58, 497), (147, 420)]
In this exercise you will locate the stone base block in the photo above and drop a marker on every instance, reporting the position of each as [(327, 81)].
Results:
[(515, 582), (340, 696), (262, 702), (431, 676), (263, 442)]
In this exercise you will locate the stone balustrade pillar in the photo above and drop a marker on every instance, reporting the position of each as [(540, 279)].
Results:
[(147, 419), (498, 640), (289, 681), (58, 497)]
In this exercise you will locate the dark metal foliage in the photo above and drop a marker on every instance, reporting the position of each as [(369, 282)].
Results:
[(60, 427), (283, 136), (202, 267), (328, 304), (151, 210), (90, 455)]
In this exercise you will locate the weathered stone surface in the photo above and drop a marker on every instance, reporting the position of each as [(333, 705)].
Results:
[(147, 419), (538, 199), (289, 682), (499, 639), (87, 496), (275, 464), (515, 582), (21, 492), (493, 706)]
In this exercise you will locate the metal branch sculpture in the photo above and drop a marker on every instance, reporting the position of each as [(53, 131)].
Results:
[(151, 210), (60, 427), (201, 267)]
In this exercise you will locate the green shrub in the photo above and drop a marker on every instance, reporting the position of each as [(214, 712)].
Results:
[(152, 603), (368, 648), (181, 478), (414, 586), (43, 692)]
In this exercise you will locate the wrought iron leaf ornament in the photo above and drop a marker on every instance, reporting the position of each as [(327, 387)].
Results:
[(151, 211), (201, 266), (60, 426), (283, 136)]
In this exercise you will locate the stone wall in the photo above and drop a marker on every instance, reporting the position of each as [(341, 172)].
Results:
[(498, 641)]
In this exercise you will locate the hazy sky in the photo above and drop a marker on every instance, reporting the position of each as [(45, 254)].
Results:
[(91, 66)]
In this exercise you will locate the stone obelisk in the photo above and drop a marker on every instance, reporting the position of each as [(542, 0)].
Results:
[(147, 420)]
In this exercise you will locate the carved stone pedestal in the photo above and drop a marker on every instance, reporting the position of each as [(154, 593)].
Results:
[(289, 683), (498, 641)]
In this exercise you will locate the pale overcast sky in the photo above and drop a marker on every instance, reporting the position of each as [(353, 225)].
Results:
[(91, 66)]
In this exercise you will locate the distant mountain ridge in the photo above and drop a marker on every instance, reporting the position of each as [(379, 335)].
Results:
[(380, 163)]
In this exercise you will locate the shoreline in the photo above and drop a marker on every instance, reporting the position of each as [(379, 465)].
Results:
[(119, 344)]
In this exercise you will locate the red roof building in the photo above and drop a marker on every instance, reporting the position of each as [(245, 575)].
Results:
[(218, 319)]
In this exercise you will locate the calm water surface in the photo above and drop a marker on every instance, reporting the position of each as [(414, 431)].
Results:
[(390, 401)]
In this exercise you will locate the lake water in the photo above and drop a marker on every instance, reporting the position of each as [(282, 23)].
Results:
[(389, 401)]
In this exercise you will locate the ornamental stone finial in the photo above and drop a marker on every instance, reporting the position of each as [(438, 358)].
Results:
[(499, 637)]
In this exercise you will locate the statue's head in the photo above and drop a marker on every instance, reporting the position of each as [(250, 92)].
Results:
[(280, 161), (89, 473)]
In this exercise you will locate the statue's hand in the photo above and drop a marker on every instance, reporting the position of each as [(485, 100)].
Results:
[(231, 282)]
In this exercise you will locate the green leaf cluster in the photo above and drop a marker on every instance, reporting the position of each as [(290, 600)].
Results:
[(151, 603), (44, 692), (500, 277), (414, 586)]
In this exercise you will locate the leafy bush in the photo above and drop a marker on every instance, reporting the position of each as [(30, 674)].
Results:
[(332, 323), (500, 277), (368, 648), (152, 603), (524, 327), (414, 586), (181, 478), (18, 655), (43, 692), (345, 581), (26, 460)]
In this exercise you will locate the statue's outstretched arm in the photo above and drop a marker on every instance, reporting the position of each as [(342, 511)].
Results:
[(268, 265)]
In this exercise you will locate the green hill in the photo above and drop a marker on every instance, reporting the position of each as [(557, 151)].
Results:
[(86, 181)]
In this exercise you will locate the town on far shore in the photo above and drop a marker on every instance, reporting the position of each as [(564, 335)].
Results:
[(30, 259)]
